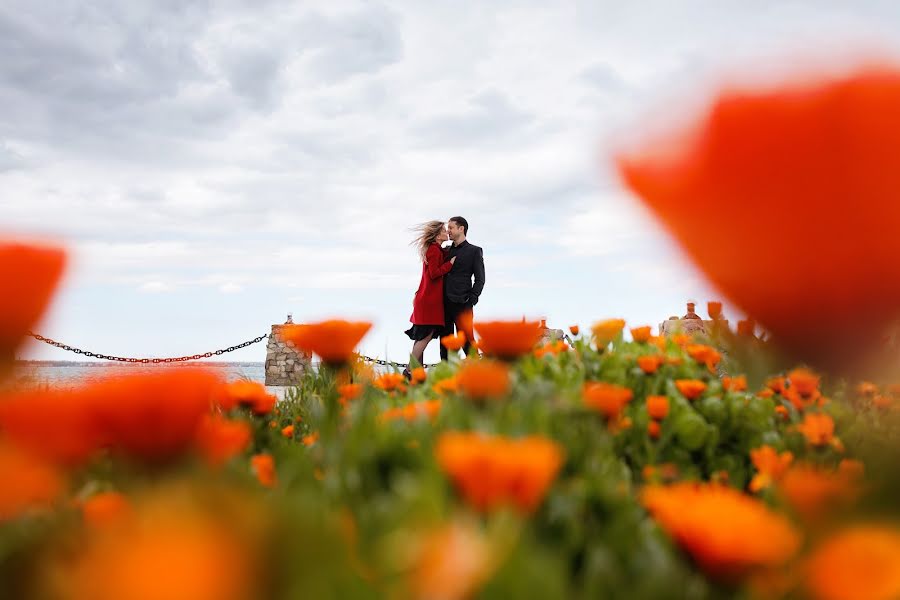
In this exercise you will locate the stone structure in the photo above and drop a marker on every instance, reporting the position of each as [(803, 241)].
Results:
[(550, 335), (689, 324), (284, 363)]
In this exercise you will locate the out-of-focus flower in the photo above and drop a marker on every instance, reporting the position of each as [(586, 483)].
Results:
[(574, 329), (28, 482), (105, 508), (418, 375), (263, 466), (653, 429), (389, 381), (606, 331), (861, 562), (649, 363), (657, 407), (287, 431), (349, 392), (482, 379), (450, 385), (815, 492), (413, 411), (818, 428), (641, 334), (218, 440), (333, 341), (694, 514), (804, 381), (797, 150), (705, 355), (451, 563), (690, 388), (770, 466), (490, 471), (735, 384), (30, 275), (246, 393), (714, 309), (310, 439), (454, 341), (607, 398), (508, 339)]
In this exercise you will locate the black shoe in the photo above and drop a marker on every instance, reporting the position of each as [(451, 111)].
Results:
[(407, 374)]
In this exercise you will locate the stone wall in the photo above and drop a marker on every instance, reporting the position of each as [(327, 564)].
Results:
[(687, 326), (284, 363)]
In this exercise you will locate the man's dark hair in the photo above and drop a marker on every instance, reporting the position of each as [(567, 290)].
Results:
[(460, 222)]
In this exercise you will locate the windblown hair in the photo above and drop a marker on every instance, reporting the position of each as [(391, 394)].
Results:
[(427, 235)]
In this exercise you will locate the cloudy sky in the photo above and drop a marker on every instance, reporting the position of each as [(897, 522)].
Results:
[(214, 165)]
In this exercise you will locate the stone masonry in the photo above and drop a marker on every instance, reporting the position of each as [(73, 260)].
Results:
[(284, 363)]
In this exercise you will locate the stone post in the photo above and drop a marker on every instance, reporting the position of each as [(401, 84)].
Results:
[(285, 364)]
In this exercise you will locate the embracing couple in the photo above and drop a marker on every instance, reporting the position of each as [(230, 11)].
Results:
[(452, 280)]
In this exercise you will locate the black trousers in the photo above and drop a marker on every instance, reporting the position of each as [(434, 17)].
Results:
[(452, 312)]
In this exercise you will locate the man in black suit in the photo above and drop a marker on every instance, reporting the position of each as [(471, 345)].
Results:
[(460, 294)]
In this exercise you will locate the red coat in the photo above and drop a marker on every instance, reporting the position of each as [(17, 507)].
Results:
[(428, 305)]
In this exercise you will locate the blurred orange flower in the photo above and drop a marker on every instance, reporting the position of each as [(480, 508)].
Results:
[(454, 342), (412, 411), (690, 388), (795, 150), (657, 407), (815, 492), (641, 334), (287, 431), (218, 440), (310, 439), (418, 375), (333, 341), (818, 428), (247, 393), (649, 363), (682, 339), (349, 392), (607, 398), (714, 309), (449, 385), (491, 471), (263, 466), (653, 429), (776, 384), (389, 381), (861, 562), (30, 275), (804, 381), (574, 329), (606, 331), (781, 411), (693, 514), (735, 384), (703, 354), (452, 562), (508, 339), (105, 508), (482, 379), (28, 482), (770, 466)]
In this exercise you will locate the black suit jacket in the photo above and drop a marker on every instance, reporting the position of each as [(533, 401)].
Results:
[(469, 265)]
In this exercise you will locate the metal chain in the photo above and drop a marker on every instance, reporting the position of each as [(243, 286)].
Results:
[(68, 348), (387, 363)]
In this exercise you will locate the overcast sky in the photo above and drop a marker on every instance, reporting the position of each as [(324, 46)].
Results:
[(215, 165)]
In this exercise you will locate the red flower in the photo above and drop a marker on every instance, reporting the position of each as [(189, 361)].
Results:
[(802, 174), (30, 275)]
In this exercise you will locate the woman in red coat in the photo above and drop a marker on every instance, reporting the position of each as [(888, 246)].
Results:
[(428, 305)]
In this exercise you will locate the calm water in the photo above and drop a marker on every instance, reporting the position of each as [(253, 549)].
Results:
[(64, 374)]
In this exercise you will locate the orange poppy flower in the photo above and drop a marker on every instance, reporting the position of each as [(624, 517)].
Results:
[(641, 334), (30, 275), (653, 429), (714, 309), (801, 402), (766, 393), (682, 339), (218, 440), (804, 381), (776, 384), (389, 381), (244, 392), (492, 471), (482, 379), (649, 363), (657, 407), (450, 385), (735, 384), (312, 438), (105, 508), (574, 329), (419, 375), (287, 431), (333, 341), (693, 515), (690, 388), (818, 428), (451, 563), (508, 339), (703, 354), (815, 493), (412, 411), (606, 398), (606, 331), (861, 562), (866, 388), (852, 469), (770, 466), (454, 342), (349, 392), (781, 411), (263, 466), (746, 327), (28, 482), (796, 150)]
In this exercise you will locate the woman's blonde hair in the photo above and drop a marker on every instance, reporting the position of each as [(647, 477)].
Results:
[(427, 235)]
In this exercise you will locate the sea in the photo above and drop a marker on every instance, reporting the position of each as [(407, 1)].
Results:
[(62, 374)]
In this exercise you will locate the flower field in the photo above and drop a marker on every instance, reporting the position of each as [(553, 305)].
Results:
[(623, 465)]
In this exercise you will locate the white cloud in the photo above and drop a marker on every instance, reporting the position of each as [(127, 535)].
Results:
[(155, 287)]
